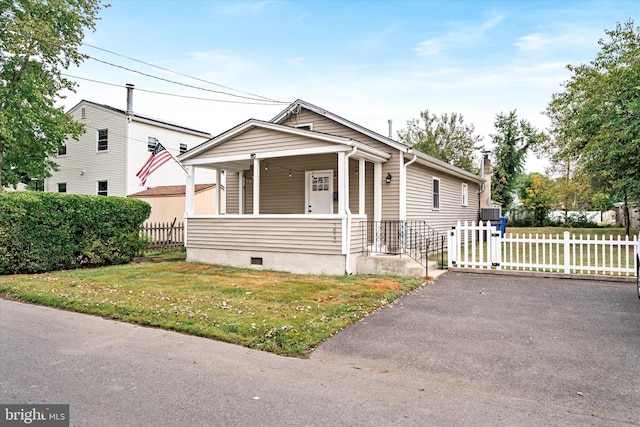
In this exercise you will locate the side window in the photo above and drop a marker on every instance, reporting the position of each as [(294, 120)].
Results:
[(62, 187), (465, 194), (103, 139), (62, 151), (183, 148), (103, 188), (435, 191)]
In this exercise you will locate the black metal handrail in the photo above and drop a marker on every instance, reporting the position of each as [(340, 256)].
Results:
[(414, 238)]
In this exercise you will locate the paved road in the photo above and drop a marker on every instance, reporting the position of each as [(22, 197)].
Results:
[(468, 350)]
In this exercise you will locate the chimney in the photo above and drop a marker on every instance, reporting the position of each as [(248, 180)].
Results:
[(390, 129), (485, 172), (129, 99)]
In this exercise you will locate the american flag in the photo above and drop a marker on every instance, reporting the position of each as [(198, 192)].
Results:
[(159, 156)]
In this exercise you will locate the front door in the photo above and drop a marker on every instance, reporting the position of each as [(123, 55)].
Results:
[(319, 192)]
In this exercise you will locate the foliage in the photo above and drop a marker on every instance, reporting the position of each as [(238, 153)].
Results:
[(38, 39), (596, 120), (579, 220), (513, 140), (283, 313), (52, 231), (446, 138), (537, 194)]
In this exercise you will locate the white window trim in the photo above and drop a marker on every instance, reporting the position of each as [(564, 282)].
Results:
[(465, 194), (98, 141), (433, 180), (98, 186)]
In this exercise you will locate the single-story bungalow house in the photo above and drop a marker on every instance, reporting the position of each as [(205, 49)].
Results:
[(310, 192)]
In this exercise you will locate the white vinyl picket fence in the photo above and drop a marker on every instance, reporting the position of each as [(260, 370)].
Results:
[(481, 246)]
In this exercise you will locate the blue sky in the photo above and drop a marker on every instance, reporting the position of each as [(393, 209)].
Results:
[(368, 61)]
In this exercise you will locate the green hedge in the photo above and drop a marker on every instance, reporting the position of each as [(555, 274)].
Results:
[(51, 231)]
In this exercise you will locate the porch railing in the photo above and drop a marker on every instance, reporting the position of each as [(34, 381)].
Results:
[(415, 239)]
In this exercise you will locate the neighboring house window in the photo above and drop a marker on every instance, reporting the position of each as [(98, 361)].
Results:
[(102, 188), (151, 144), (83, 113), (103, 139), (465, 194), (305, 126), (62, 151), (62, 187), (183, 148), (435, 191)]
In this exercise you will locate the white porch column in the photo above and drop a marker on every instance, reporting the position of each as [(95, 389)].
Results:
[(361, 186), (256, 186), (218, 184), (190, 190), (241, 182), (377, 191), (341, 181)]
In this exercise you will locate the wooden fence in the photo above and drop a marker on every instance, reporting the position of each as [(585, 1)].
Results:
[(482, 246), (163, 235)]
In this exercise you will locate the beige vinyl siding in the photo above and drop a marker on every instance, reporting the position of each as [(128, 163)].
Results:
[(258, 140), (232, 189), (419, 198), (295, 235), (325, 125), (168, 208), (357, 233), (354, 193), (281, 194), (391, 192)]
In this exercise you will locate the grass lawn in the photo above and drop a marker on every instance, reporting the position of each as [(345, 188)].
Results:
[(278, 312)]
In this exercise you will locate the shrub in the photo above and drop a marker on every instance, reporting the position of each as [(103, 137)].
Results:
[(50, 231)]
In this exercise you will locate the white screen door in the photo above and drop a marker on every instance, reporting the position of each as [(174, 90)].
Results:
[(319, 193)]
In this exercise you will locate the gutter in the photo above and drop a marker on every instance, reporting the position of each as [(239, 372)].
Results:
[(348, 211)]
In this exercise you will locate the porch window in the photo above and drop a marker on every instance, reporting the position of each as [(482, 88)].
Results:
[(465, 194), (435, 192), (103, 140)]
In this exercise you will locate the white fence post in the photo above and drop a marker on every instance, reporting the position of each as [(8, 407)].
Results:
[(496, 251), (567, 253), (453, 246)]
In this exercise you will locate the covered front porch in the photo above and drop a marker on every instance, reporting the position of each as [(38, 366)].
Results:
[(297, 203)]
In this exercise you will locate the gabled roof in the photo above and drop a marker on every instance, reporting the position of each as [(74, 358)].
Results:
[(170, 190), (253, 123), (422, 158), (144, 118)]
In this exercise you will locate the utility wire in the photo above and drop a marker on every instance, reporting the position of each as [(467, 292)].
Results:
[(183, 84), (171, 94), (176, 72)]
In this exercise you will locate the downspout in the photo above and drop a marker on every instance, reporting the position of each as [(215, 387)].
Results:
[(348, 212)]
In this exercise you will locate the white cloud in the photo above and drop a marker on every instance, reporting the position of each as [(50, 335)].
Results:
[(428, 47), (490, 23)]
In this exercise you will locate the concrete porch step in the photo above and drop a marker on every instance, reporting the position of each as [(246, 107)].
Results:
[(396, 265)]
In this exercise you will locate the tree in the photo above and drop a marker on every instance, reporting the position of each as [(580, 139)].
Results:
[(446, 138), (597, 117), (537, 194), (38, 39), (513, 140)]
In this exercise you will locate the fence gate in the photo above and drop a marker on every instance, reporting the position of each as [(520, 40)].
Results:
[(482, 246)]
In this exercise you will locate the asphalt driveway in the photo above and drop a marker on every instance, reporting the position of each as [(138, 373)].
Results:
[(570, 344), (469, 350)]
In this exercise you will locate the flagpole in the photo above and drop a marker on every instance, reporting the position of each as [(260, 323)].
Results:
[(174, 159)]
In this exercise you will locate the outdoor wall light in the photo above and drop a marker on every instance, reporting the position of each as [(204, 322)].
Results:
[(388, 178)]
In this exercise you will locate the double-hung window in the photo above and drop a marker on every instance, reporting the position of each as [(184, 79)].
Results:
[(435, 193), (103, 139), (465, 194), (103, 188)]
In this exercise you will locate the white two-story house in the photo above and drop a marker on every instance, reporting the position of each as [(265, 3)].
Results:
[(116, 144)]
